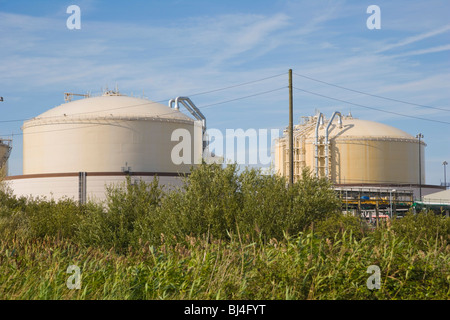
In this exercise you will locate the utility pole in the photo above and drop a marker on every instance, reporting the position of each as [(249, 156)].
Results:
[(419, 136), (445, 163), (291, 132)]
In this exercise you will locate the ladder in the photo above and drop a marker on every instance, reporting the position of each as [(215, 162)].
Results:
[(300, 148)]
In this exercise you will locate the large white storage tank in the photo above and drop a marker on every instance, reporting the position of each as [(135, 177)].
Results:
[(76, 149), (104, 134), (352, 151)]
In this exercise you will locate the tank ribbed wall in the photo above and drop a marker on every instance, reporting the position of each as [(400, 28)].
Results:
[(105, 134), (360, 152)]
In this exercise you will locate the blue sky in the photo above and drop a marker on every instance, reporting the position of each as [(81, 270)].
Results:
[(179, 48)]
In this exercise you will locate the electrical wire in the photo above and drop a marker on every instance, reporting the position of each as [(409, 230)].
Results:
[(168, 113), (245, 97), (370, 94), (238, 85), (371, 108), (162, 101)]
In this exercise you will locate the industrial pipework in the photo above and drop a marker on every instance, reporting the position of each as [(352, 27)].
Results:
[(319, 123), (326, 139), (190, 106)]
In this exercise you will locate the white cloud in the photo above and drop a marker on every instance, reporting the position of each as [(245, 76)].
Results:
[(325, 40), (423, 51), (416, 38)]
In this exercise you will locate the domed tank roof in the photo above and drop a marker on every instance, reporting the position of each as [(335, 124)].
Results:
[(353, 128), (110, 107), (365, 128)]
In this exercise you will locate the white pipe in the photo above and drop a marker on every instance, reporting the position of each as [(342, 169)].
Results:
[(319, 122), (326, 139), (171, 102), (190, 106)]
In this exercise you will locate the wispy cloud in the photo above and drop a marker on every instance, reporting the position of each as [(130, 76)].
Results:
[(424, 51), (416, 38), (199, 50), (252, 35)]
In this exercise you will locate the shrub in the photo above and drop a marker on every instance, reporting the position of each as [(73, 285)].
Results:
[(338, 224), (39, 217), (423, 227), (208, 202), (312, 199), (220, 201), (114, 226), (265, 205)]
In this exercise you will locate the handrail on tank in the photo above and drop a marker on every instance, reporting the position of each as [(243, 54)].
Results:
[(319, 122), (326, 139)]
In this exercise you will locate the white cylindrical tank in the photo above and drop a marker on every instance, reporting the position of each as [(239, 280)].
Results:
[(359, 152), (107, 134)]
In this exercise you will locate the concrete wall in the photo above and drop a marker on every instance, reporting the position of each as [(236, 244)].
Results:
[(59, 187)]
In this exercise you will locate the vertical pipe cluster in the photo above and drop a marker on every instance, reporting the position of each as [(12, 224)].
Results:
[(420, 136), (320, 121), (318, 124), (291, 132), (82, 187), (326, 139)]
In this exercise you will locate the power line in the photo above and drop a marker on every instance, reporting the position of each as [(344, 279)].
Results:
[(162, 101), (238, 85), (372, 108), (370, 94), (168, 113), (245, 97)]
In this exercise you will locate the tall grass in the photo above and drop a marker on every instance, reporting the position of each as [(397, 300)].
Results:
[(223, 235), (301, 267)]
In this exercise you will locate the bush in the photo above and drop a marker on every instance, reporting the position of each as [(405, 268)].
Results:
[(37, 218), (280, 243), (422, 227), (210, 201), (220, 201), (265, 205), (127, 205), (336, 225), (214, 200)]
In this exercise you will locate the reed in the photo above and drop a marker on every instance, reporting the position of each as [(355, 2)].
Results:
[(224, 236)]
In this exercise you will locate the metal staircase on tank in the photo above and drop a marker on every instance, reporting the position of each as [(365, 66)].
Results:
[(300, 134), (320, 156)]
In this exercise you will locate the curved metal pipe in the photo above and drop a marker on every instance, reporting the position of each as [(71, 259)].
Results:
[(171, 102), (319, 122), (190, 106), (326, 139)]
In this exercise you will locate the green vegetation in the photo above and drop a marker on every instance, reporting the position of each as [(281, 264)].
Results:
[(223, 235)]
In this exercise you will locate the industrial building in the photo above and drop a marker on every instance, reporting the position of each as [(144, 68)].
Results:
[(438, 202), (373, 166), (76, 149), (5, 151)]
